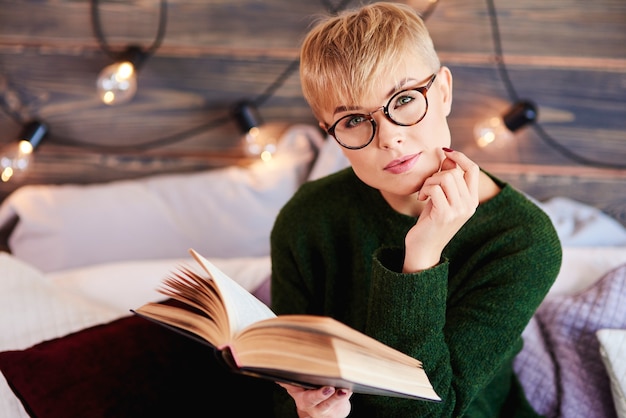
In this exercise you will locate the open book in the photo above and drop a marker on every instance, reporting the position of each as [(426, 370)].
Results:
[(306, 350)]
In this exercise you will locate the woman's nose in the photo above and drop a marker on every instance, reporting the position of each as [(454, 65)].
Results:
[(387, 132)]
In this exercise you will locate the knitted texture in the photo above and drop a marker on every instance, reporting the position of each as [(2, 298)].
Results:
[(337, 250)]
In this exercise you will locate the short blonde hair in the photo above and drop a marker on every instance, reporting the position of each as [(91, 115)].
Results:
[(344, 56)]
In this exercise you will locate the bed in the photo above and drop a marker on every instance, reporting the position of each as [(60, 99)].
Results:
[(79, 257)]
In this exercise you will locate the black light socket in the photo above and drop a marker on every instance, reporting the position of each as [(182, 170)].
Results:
[(135, 55), (34, 133), (520, 114), (247, 117)]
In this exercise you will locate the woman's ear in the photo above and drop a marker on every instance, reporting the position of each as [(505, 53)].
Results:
[(444, 84)]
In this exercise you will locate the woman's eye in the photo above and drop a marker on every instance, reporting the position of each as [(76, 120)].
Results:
[(403, 100), (354, 121)]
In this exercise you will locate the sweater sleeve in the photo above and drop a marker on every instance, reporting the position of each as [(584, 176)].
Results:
[(464, 317)]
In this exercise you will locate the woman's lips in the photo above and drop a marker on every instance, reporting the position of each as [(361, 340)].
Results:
[(402, 165)]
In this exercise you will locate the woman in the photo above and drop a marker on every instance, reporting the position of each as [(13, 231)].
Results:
[(413, 244)]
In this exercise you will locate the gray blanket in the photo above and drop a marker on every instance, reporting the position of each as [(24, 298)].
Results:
[(560, 366)]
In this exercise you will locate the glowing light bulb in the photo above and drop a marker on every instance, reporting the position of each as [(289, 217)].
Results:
[(266, 156), (15, 160), (117, 83), (260, 145), (498, 130), (492, 131), (257, 142), (16, 157)]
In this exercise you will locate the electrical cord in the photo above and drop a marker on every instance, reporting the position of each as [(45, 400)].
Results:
[(216, 122), (430, 9), (219, 121), (99, 34), (513, 96), (295, 64)]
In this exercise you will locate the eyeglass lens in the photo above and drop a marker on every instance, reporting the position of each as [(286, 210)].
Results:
[(405, 108)]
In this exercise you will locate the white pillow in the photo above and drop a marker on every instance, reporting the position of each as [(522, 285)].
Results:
[(583, 266), (613, 354), (35, 306), (225, 212), (581, 225), (33, 310), (126, 285)]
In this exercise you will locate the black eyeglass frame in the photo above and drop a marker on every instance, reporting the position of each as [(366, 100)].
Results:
[(423, 90)]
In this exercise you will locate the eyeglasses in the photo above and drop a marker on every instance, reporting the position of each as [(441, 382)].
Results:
[(405, 108)]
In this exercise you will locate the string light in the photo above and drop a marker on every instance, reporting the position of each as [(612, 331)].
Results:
[(17, 157), (543, 135), (499, 130), (249, 122), (193, 131), (117, 83)]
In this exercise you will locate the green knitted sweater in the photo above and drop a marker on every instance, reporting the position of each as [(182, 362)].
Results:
[(337, 250)]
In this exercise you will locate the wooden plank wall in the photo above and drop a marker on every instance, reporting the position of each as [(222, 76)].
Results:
[(568, 56)]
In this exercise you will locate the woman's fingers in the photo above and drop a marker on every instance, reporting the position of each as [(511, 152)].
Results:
[(458, 177), (469, 168), (326, 402), (453, 191)]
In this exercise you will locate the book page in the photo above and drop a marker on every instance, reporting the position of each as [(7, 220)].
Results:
[(313, 324), (320, 351), (243, 308)]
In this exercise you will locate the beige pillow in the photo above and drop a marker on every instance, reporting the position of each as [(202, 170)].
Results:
[(613, 354), (224, 213)]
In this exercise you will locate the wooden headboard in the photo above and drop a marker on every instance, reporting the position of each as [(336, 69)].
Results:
[(568, 56)]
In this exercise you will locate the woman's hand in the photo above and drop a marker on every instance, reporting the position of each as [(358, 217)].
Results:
[(451, 197), (326, 402)]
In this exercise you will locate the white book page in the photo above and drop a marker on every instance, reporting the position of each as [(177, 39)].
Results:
[(243, 308)]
